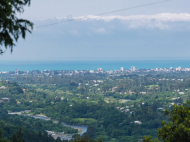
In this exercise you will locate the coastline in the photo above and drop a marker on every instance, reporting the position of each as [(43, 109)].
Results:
[(106, 65)]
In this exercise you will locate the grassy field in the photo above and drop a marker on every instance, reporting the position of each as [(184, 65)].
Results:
[(124, 100), (152, 86), (85, 120), (109, 100)]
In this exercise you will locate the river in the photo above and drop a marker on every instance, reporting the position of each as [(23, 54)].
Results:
[(66, 137)]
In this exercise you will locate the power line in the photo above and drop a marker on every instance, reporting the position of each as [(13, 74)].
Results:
[(105, 13)]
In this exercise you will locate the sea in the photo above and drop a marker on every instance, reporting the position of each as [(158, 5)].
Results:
[(106, 65)]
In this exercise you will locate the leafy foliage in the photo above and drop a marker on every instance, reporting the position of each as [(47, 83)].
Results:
[(178, 127), (17, 137), (88, 99), (84, 138), (11, 27), (1, 137)]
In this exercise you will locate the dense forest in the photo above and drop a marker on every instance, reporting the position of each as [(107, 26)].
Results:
[(115, 107)]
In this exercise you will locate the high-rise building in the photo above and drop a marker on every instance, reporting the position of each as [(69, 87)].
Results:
[(27, 72), (133, 68), (16, 71), (99, 69), (122, 69), (178, 69), (91, 71)]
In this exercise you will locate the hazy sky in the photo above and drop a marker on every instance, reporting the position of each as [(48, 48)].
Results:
[(155, 31)]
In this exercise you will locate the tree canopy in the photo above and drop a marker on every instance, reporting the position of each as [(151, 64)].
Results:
[(12, 27), (1, 138), (178, 127)]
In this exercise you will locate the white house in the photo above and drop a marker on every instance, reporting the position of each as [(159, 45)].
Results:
[(3, 87), (137, 122), (181, 93)]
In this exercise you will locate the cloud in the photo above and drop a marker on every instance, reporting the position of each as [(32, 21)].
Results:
[(148, 24), (163, 21), (156, 17), (161, 35)]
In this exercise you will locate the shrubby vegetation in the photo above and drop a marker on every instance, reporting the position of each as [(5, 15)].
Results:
[(115, 107), (178, 126)]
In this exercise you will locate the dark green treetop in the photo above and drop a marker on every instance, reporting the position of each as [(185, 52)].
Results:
[(1, 138), (11, 27), (17, 137), (178, 127)]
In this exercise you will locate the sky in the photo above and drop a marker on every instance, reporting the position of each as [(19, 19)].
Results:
[(150, 32)]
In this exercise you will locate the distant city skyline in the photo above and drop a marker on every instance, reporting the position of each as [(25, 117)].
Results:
[(93, 65), (99, 70)]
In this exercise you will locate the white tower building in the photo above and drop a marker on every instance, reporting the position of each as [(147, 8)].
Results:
[(133, 68), (122, 69)]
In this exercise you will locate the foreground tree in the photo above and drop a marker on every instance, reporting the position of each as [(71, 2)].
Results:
[(11, 27), (1, 137), (84, 138), (17, 137), (178, 127)]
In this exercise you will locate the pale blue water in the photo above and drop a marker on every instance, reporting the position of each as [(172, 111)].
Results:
[(91, 65)]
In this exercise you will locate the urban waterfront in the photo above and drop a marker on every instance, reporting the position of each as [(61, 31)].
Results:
[(106, 65)]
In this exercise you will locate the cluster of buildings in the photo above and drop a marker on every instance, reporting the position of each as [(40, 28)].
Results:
[(99, 70), (132, 69), (125, 110), (171, 69), (4, 100)]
